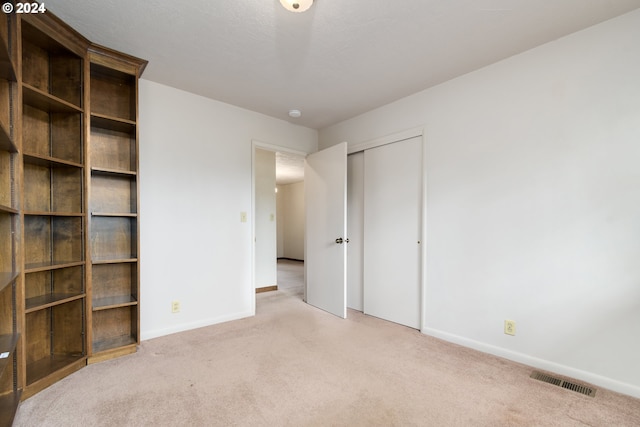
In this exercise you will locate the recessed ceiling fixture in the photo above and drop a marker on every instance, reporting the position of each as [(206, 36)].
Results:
[(296, 5), (295, 113)]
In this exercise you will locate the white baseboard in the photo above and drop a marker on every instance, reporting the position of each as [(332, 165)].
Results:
[(156, 333), (595, 379)]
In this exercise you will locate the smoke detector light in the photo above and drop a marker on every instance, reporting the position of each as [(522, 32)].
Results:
[(295, 113), (296, 5)]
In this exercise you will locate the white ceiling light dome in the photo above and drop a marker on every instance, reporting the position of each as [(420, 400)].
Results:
[(296, 5)]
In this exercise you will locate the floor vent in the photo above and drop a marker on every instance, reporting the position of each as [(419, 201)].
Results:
[(578, 388)]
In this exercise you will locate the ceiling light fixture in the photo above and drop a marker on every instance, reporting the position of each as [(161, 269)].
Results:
[(296, 5), (295, 113)]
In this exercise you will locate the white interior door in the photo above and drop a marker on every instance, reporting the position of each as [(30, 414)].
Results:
[(392, 231), (325, 179)]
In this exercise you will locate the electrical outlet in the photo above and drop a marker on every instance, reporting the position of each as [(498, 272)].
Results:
[(510, 327), (175, 306)]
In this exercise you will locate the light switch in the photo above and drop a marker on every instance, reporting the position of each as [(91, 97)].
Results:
[(243, 217), (272, 217)]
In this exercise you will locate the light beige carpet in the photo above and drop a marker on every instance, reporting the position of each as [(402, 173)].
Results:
[(295, 365)]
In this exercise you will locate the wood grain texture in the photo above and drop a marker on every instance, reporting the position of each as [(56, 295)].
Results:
[(109, 58), (113, 194), (116, 326), (46, 372), (266, 289), (112, 280), (53, 239), (113, 149), (58, 281), (10, 279), (112, 93), (5, 178), (110, 350), (6, 245), (113, 238)]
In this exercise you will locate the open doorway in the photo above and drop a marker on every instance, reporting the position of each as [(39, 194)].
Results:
[(290, 222), (278, 220)]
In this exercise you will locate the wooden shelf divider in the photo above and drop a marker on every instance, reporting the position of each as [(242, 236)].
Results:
[(115, 214), (113, 123), (50, 300), (46, 102), (6, 142), (116, 172), (51, 162), (114, 302), (9, 210), (52, 265), (7, 277), (8, 344), (41, 368), (102, 261)]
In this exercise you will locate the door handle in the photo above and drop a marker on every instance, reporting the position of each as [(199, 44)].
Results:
[(340, 240)]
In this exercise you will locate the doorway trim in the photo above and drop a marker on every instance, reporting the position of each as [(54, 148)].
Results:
[(389, 139), (268, 147)]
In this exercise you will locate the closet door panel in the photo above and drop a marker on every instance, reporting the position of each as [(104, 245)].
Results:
[(392, 231), (355, 229)]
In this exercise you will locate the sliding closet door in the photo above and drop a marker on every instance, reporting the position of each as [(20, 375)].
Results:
[(355, 215), (392, 231)]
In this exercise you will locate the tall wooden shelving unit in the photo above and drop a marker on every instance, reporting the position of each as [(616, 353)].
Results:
[(53, 200), (113, 203), (10, 278), (69, 245)]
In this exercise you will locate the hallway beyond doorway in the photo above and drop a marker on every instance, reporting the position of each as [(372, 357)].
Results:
[(291, 277)]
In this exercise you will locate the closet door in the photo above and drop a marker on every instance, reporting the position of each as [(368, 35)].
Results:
[(392, 231), (355, 215)]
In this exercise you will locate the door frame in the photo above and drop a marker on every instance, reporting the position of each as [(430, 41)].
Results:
[(390, 139), (268, 147)]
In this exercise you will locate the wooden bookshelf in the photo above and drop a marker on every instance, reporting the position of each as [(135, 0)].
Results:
[(114, 206), (53, 201), (10, 225), (69, 221), (113, 203)]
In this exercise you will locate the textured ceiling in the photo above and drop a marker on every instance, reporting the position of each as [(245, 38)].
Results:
[(289, 168), (337, 60)]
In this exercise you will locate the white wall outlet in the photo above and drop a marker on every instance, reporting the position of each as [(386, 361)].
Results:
[(243, 217), (175, 306), (510, 327)]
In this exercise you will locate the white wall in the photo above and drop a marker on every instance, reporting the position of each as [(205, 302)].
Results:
[(265, 218), (195, 180), (279, 223), (533, 207), (291, 217)]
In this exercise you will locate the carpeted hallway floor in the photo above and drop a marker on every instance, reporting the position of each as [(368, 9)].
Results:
[(295, 365)]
